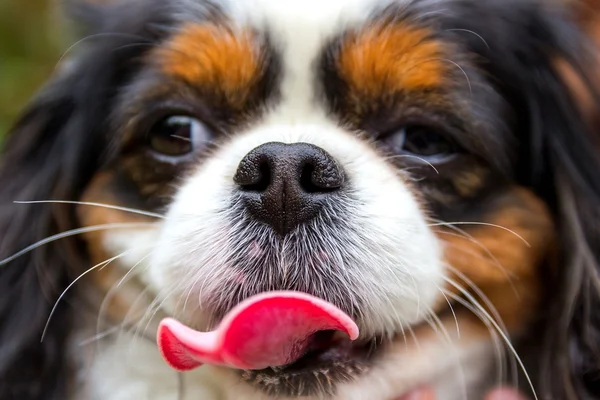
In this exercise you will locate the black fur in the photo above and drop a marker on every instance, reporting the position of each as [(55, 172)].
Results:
[(560, 161), (51, 153), (59, 142)]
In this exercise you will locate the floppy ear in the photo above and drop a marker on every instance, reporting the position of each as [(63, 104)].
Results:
[(51, 154), (570, 366), (40, 161), (527, 48)]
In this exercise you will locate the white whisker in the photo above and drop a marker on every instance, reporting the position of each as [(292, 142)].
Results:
[(502, 333), (124, 325), (500, 359), (415, 157), (99, 336), (472, 32), (95, 36), (488, 303), (451, 310), (69, 233), (494, 260), (438, 328), (463, 71), (127, 274), (99, 265), (483, 224), (87, 203)]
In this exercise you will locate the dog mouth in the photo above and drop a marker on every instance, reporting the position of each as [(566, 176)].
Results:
[(284, 343), (330, 358)]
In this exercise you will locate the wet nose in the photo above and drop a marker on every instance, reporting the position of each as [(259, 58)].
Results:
[(286, 185)]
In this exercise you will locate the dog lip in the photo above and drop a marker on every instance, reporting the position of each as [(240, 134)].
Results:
[(330, 359)]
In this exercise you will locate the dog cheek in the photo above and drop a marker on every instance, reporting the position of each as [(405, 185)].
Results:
[(106, 286), (504, 256)]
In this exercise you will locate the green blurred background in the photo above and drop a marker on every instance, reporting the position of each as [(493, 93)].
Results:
[(31, 42)]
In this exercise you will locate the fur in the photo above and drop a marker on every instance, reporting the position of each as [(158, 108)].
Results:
[(384, 262)]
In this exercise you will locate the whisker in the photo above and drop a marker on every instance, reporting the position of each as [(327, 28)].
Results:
[(95, 36), (72, 232), (500, 359), (451, 310), (99, 336), (127, 274), (414, 337), (493, 261), (413, 156), (487, 257), (111, 294), (180, 386), (87, 203), (474, 33), (504, 336), (181, 138), (154, 308), (99, 265), (438, 328), (124, 325), (509, 275), (448, 224), (463, 71), (132, 45), (488, 303)]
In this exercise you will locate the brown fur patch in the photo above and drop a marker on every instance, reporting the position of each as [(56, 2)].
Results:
[(504, 260), (119, 306), (581, 92), (586, 14), (214, 58), (391, 58)]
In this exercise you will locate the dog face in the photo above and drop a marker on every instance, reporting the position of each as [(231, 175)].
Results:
[(419, 164)]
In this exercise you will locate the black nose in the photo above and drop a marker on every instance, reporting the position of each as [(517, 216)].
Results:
[(285, 185)]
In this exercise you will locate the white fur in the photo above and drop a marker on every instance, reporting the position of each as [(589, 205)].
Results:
[(400, 266), (403, 270)]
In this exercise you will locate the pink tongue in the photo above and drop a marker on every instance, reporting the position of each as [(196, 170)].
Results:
[(268, 330)]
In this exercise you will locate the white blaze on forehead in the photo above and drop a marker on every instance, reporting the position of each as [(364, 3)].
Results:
[(300, 30)]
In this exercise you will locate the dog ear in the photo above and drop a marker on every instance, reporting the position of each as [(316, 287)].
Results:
[(578, 192), (51, 153), (527, 48), (42, 160)]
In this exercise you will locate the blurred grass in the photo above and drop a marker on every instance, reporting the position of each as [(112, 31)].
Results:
[(31, 42)]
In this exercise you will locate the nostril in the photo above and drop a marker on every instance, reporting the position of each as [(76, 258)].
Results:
[(306, 179), (260, 180), (322, 174), (253, 174), (317, 180)]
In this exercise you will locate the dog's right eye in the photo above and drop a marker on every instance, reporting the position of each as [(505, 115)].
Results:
[(177, 136)]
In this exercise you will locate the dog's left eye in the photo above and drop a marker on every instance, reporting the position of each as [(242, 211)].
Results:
[(421, 141), (177, 136)]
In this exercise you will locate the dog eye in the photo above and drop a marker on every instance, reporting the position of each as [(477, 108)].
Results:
[(423, 142), (177, 136)]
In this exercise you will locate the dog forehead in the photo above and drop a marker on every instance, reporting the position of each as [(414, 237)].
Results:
[(299, 34), (297, 28), (284, 17)]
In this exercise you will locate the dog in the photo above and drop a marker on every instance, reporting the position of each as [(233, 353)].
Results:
[(430, 167)]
